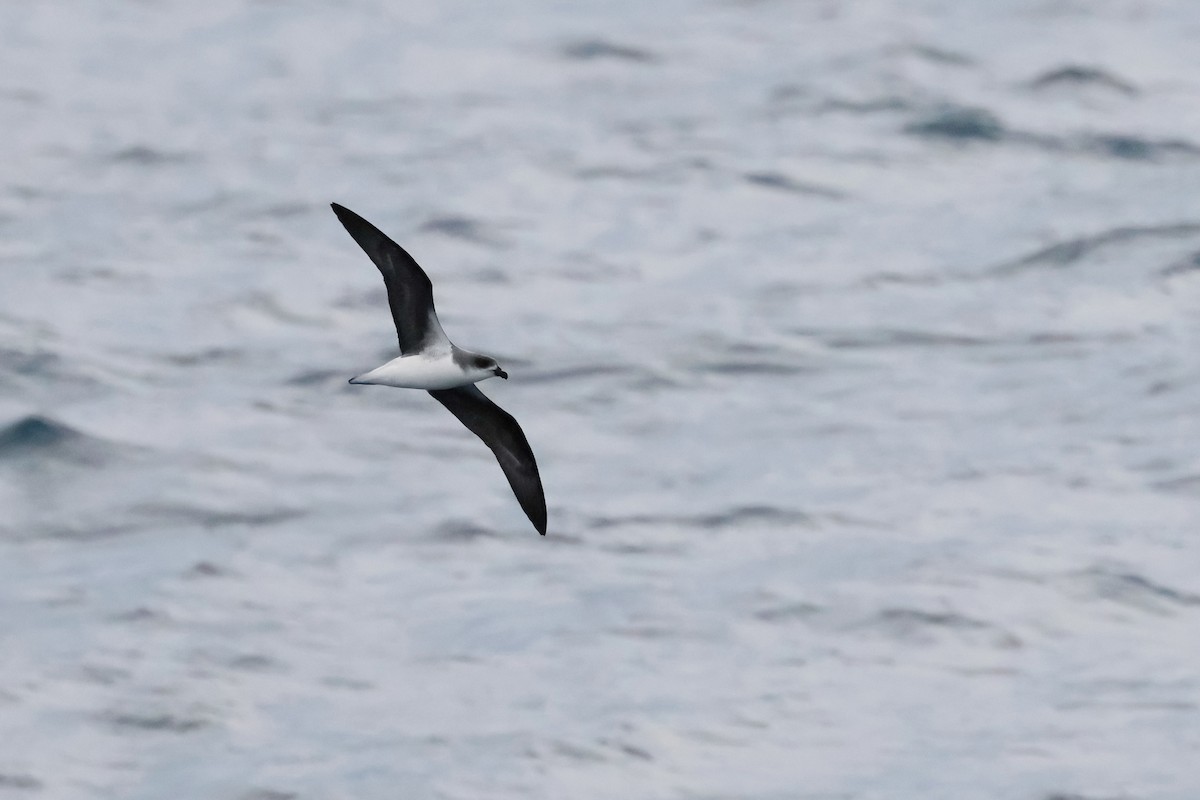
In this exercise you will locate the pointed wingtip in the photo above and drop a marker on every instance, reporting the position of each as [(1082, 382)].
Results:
[(346, 216), (359, 228), (536, 512)]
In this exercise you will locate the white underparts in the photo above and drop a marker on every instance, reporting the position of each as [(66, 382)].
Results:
[(423, 371)]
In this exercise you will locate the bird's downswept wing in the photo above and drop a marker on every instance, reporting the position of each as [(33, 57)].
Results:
[(410, 294), (499, 431)]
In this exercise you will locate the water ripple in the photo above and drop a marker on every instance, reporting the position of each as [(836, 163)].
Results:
[(777, 180), (1075, 76), (1132, 589), (599, 49), (742, 515), (1069, 252), (35, 437), (19, 782), (161, 722), (959, 123)]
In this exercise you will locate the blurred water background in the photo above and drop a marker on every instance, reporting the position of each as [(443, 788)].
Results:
[(857, 342)]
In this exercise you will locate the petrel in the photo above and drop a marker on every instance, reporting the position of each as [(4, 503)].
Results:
[(428, 360)]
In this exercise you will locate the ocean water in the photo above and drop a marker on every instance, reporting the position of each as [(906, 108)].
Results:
[(857, 342)]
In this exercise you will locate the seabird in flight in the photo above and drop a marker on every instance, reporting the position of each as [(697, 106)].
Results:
[(428, 360)]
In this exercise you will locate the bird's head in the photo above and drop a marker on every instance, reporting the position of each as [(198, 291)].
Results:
[(487, 367)]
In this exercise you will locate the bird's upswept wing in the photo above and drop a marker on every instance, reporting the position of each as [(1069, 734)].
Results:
[(410, 294), (503, 435)]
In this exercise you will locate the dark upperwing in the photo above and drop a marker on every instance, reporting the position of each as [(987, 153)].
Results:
[(410, 294), (499, 431)]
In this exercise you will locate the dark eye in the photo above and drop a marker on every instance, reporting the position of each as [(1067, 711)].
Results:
[(484, 363)]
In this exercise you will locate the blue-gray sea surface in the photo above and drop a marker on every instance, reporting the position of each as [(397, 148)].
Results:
[(857, 341)]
